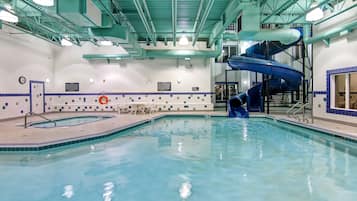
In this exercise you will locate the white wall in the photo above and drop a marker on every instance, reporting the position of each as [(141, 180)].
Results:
[(341, 53), (137, 77), (21, 54), (128, 75)]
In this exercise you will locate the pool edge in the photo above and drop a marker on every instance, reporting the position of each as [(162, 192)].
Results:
[(96, 136)]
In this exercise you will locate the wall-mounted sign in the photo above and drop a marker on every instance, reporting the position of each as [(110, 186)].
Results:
[(72, 86), (22, 79), (164, 86), (195, 88)]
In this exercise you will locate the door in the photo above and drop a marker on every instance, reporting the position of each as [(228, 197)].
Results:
[(37, 97)]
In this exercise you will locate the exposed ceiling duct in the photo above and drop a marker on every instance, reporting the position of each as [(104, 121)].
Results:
[(83, 13)]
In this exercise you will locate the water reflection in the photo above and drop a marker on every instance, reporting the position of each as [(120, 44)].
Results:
[(68, 191), (108, 191)]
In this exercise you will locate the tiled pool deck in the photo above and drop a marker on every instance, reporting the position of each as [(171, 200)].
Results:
[(13, 134)]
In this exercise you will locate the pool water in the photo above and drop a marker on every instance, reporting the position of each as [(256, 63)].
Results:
[(72, 121), (189, 158)]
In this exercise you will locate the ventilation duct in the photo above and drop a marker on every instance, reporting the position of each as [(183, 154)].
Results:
[(80, 12), (116, 33), (249, 29)]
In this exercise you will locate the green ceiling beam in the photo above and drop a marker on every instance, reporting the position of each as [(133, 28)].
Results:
[(202, 21), (321, 3), (229, 15), (280, 9), (335, 14), (198, 14), (174, 20), (149, 17), (56, 43), (142, 16), (333, 32)]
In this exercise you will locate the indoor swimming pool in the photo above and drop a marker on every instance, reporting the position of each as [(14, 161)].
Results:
[(71, 121), (189, 158)]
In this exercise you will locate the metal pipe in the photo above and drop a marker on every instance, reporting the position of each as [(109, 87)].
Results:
[(174, 20), (143, 19), (198, 14), (332, 32), (335, 14), (149, 16), (203, 21)]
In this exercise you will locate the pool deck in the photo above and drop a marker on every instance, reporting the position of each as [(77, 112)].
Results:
[(13, 134)]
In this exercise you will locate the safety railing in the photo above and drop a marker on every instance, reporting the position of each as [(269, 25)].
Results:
[(297, 109), (27, 115)]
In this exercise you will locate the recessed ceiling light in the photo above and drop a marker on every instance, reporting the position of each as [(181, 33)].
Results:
[(183, 40), (315, 14), (44, 2), (7, 16), (105, 43), (65, 42)]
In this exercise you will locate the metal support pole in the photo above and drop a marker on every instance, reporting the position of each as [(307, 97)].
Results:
[(226, 96), (268, 76), (303, 71)]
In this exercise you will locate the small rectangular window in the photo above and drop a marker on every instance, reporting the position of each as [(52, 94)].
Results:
[(71, 87), (340, 93)]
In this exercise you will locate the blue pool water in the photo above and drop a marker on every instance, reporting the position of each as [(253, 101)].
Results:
[(189, 158), (72, 121)]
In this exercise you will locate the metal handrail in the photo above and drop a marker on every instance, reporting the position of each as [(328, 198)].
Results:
[(293, 107), (302, 107), (39, 115)]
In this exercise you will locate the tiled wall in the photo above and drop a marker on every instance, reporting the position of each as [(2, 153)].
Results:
[(164, 101), (13, 105)]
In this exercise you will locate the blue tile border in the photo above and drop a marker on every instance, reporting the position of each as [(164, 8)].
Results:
[(13, 94), (329, 73), (319, 93)]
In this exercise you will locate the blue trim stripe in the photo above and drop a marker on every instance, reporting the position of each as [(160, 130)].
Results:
[(13, 94), (128, 93)]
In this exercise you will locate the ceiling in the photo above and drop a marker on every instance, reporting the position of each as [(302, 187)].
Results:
[(158, 20)]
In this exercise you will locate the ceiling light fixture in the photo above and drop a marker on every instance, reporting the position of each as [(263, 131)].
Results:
[(7, 16), (105, 43), (183, 40), (65, 42), (44, 2), (315, 14)]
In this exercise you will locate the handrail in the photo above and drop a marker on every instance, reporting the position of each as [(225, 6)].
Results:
[(293, 107), (39, 115)]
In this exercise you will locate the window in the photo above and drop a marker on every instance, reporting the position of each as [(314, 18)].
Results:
[(340, 88), (353, 90), (71, 87), (342, 92)]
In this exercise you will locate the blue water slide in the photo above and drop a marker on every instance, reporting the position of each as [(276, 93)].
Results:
[(283, 77), (291, 77)]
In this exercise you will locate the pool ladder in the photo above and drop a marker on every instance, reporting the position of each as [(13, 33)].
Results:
[(27, 115), (297, 108)]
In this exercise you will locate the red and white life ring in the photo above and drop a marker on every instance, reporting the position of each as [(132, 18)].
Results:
[(103, 100)]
